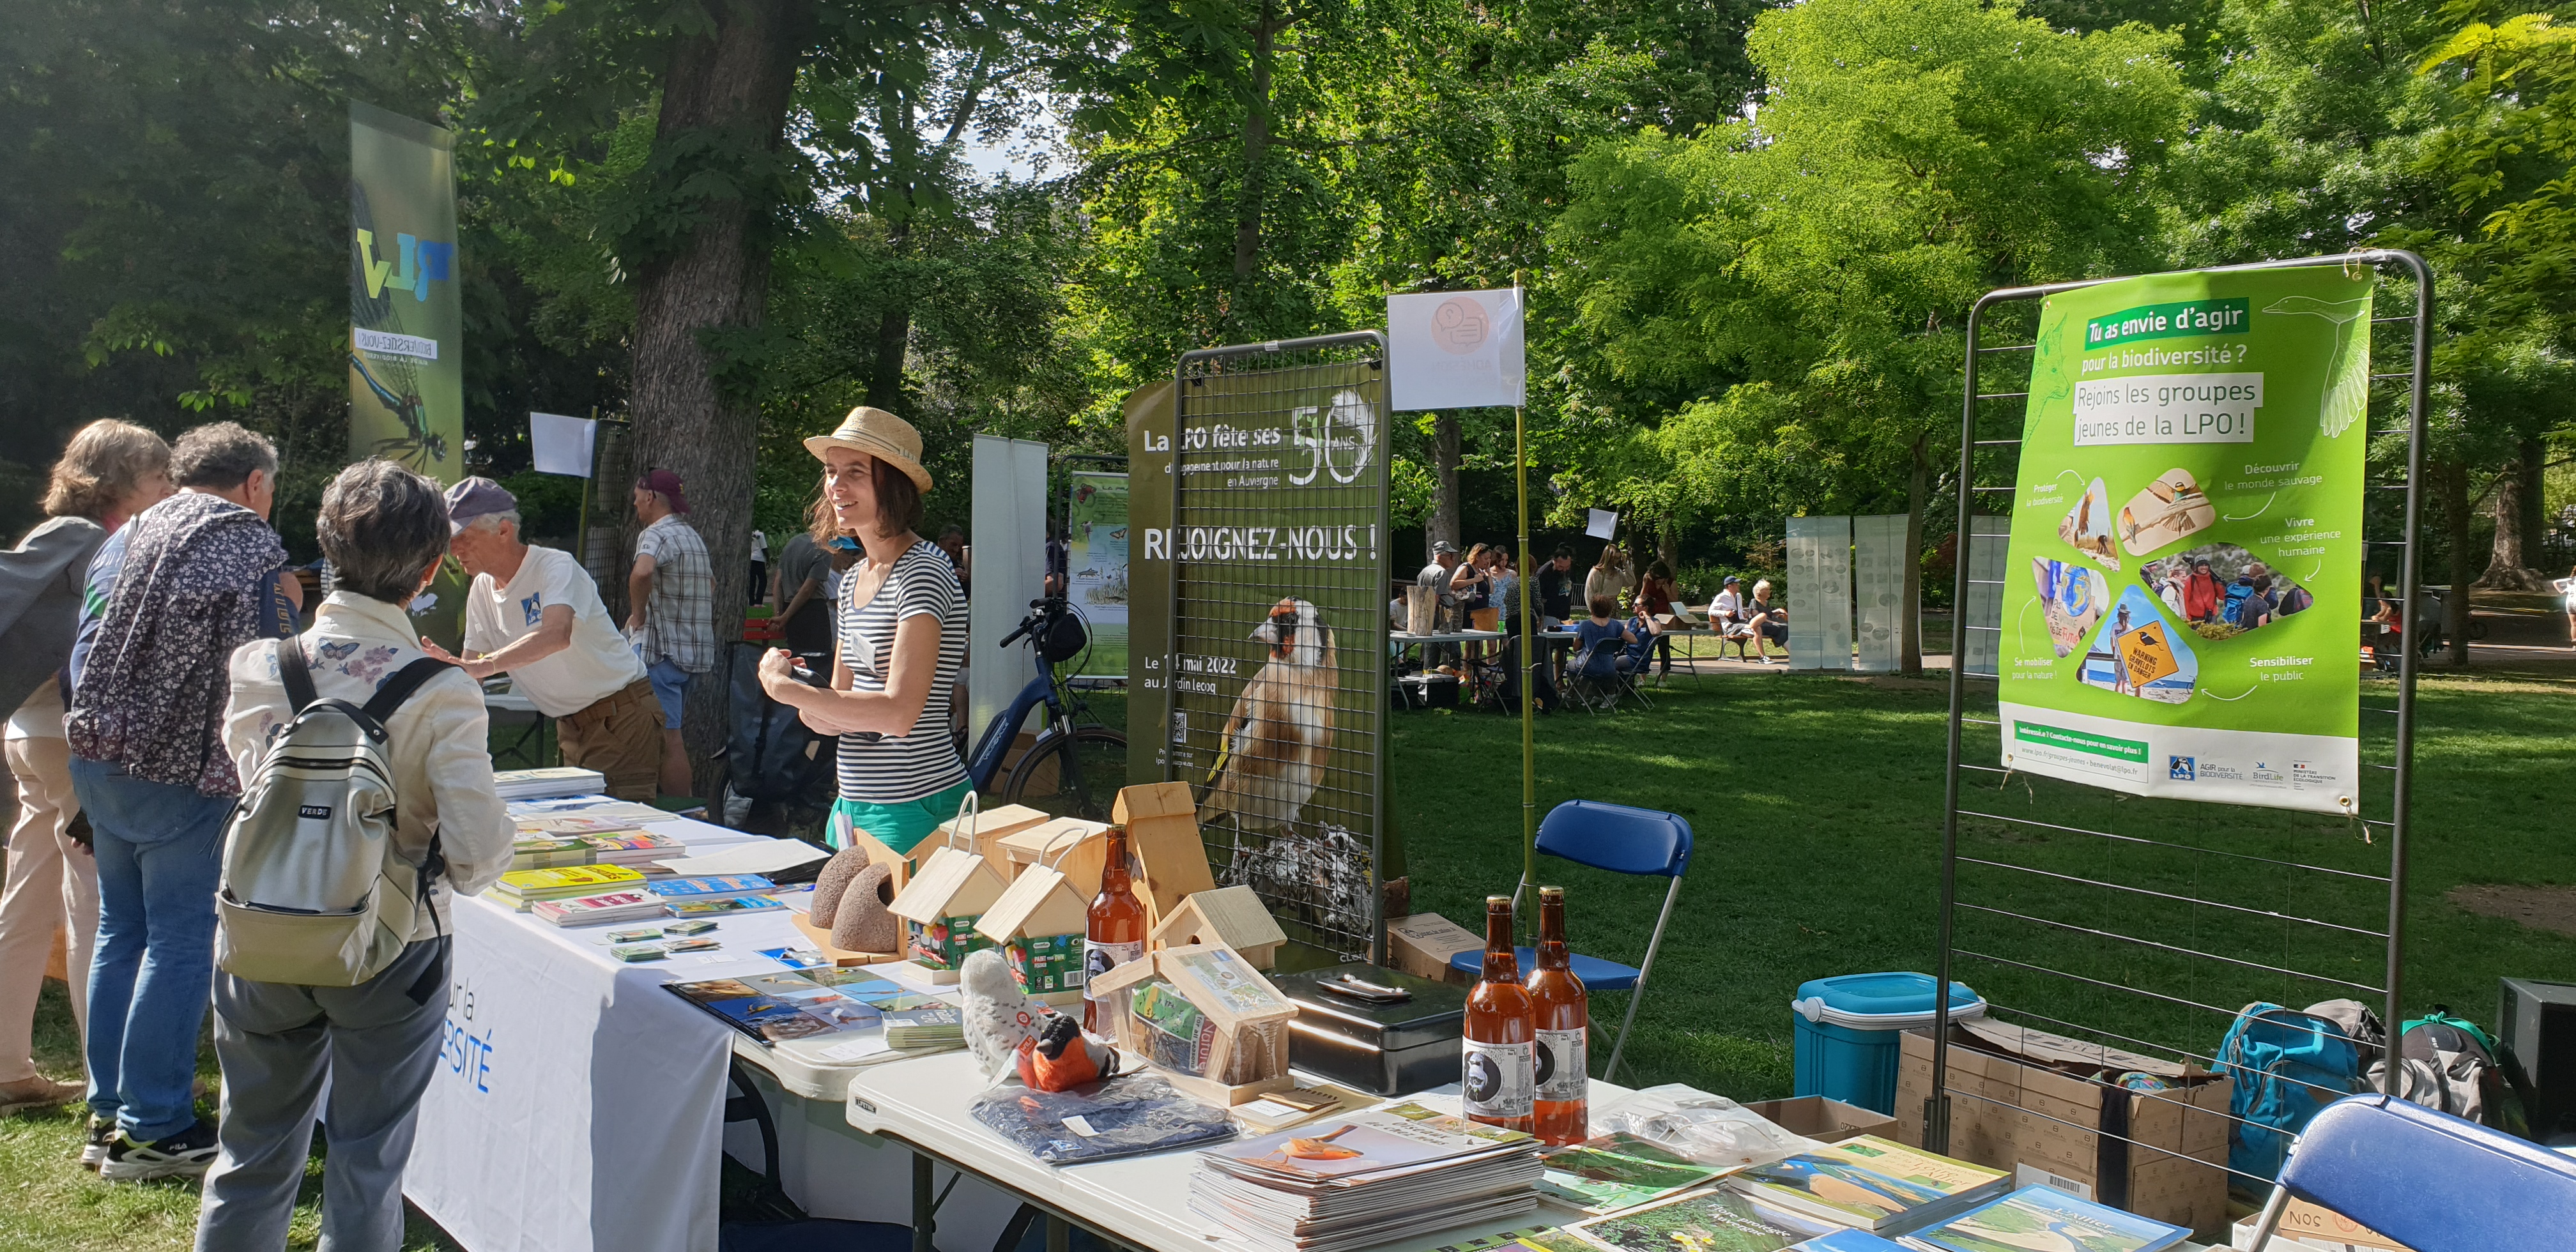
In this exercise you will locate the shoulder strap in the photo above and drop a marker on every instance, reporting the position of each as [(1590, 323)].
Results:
[(399, 687), (292, 670)]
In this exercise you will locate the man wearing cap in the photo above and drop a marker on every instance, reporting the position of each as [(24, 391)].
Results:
[(535, 614), (1442, 575), (1727, 614), (671, 610)]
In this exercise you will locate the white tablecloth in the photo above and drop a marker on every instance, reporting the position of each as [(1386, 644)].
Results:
[(577, 1105)]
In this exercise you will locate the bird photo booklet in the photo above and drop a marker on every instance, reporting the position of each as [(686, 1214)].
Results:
[(1618, 1171), (1872, 1184), (2044, 1219)]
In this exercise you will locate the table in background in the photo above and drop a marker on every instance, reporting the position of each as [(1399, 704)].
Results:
[(530, 746)]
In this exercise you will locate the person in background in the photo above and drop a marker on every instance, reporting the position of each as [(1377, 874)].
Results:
[(670, 599), (195, 582), (2567, 601), (535, 614), (801, 599), (1610, 576), (108, 473), (1655, 597), (2259, 607), (952, 544), (1601, 643), (2201, 593), (902, 640), (357, 1057), (1441, 576), (1767, 621), (1556, 603), (1505, 582), (756, 588), (1474, 582)]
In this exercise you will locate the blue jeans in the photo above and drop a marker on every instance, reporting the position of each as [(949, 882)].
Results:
[(160, 852), (670, 688)]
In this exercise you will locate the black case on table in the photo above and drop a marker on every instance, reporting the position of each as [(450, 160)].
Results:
[(1385, 1049)]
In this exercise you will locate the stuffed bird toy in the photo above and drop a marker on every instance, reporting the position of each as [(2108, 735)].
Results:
[(1272, 753), (999, 1016)]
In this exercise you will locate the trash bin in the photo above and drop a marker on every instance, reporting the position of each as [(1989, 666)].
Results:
[(1848, 1031)]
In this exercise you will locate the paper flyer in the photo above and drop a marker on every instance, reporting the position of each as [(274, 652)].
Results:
[(2182, 587)]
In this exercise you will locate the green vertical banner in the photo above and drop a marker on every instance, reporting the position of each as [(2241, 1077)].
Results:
[(2181, 594), (406, 328)]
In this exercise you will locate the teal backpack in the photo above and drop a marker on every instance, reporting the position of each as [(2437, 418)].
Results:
[(2286, 1065)]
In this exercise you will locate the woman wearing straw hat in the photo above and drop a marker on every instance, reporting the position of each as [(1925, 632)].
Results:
[(900, 638)]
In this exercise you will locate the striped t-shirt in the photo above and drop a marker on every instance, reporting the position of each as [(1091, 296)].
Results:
[(896, 768)]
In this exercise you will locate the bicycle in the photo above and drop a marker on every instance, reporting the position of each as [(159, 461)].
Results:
[(1072, 768)]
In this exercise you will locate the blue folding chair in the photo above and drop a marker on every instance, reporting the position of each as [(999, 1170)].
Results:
[(2428, 1180), (1622, 840)]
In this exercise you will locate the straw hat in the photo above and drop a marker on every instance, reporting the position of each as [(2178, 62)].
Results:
[(881, 435)]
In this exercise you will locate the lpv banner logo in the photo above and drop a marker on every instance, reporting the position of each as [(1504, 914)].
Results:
[(416, 264)]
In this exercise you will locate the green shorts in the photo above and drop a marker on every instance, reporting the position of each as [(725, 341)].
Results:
[(904, 824)]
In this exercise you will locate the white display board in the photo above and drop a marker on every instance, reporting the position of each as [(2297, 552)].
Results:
[(562, 445), (1455, 349), (1820, 625), (1984, 610), (1878, 592), (1009, 571)]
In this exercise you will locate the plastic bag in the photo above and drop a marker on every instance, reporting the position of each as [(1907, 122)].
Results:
[(1125, 1116), (1709, 1129)]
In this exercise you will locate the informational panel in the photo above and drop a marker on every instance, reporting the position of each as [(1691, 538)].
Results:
[(1280, 567), (406, 326), (1983, 615), (1096, 564), (2181, 594), (1149, 579), (1010, 518), (1819, 555), (1878, 592)]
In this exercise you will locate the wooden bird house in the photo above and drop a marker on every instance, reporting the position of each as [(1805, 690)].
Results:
[(939, 908), (1073, 846), (1039, 924), (1231, 916), (977, 831), (1162, 824), (1202, 1015)]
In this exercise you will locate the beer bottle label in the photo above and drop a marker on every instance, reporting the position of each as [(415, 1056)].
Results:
[(1563, 1065), (1499, 1079), (1100, 957)]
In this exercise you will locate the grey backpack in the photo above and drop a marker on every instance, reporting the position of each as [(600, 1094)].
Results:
[(314, 892)]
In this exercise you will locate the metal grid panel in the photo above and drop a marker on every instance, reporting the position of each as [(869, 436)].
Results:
[(1280, 570), (2145, 925)]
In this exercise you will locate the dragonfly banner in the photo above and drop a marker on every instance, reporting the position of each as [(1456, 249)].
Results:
[(2180, 598), (406, 329)]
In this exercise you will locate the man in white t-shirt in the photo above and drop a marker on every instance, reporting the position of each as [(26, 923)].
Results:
[(535, 613)]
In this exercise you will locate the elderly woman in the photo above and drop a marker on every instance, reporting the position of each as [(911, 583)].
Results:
[(110, 471), (902, 637), (373, 1046)]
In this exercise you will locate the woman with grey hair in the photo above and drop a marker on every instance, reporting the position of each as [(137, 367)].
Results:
[(385, 530), (109, 472)]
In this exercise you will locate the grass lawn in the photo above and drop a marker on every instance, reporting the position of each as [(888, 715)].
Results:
[(1816, 801)]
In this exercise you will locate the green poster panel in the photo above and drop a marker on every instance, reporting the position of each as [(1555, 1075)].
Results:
[(2181, 594), (406, 328)]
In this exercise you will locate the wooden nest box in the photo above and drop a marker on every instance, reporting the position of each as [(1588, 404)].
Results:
[(1231, 916)]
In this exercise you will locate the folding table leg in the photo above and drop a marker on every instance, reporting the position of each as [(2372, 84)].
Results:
[(1059, 1236), (925, 1207)]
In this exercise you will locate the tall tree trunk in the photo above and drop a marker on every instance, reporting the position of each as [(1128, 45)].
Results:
[(1445, 519), (2509, 557), (2455, 524), (2534, 456), (1256, 155), (1909, 604), (724, 105)]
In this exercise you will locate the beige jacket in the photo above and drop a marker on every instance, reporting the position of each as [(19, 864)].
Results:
[(438, 742)]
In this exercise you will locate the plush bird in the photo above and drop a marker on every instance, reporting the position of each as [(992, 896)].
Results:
[(998, 1014), (1272, 752), (2347, 393)]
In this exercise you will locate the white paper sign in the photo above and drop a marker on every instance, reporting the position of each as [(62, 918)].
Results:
[(1602, 524), (562, 444), (1455, 349)]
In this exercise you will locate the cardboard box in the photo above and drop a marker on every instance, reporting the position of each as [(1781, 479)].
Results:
[(1423, 943), (2304, 1226), (2028, 1101), (1826, 1120)]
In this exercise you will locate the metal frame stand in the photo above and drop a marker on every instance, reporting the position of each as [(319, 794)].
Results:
[(2146, 837)]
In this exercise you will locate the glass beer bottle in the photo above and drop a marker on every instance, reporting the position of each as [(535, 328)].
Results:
[(1563, 1015), (1499, 1058), (1114, 934)]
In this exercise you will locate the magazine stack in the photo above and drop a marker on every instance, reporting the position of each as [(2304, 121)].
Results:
[(1345, 1183)]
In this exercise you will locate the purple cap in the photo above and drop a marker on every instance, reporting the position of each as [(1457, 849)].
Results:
[(668, 484), (473, 498)]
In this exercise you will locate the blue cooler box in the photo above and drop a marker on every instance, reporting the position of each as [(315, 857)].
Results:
[(1848, 1031)]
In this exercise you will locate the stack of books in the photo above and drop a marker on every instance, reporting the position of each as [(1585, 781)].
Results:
[(1346, 1183), (920, 1023), (633, 847), (2044, 1217), (599, 910), (522, 888), (671, 889), (538, 784), (549, 851)]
